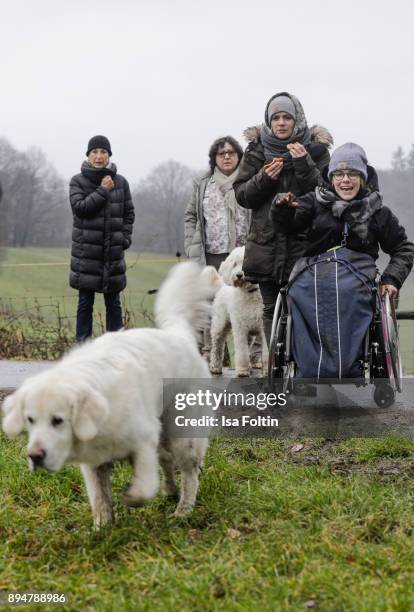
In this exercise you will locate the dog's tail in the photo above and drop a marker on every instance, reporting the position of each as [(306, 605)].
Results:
[(183, 301)]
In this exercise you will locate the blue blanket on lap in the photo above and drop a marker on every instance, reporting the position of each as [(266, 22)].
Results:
[(330, 301)]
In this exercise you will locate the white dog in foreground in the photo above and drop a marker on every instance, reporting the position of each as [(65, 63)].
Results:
[(238, 305), (104, 400)]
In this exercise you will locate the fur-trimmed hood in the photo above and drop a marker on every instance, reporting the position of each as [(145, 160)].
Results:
[(319, 134)]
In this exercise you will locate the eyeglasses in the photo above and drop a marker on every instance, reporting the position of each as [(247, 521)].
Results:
[(226, 153), (351, 174)]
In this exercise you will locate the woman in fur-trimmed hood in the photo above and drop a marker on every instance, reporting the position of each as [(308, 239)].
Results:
[(283, 155)]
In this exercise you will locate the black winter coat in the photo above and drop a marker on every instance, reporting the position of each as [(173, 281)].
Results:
[(102, 228), (270, 255), (326, 231)]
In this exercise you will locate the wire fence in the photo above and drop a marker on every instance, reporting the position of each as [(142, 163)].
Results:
[(44, 327)]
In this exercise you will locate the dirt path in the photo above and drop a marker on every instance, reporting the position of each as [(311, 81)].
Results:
[(13, 373)]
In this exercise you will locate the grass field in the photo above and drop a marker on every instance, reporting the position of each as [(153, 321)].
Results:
[(329, 527), (42, 275), (324, 525), (20, 284)]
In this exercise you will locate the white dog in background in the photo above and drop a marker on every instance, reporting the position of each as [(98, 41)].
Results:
[(104, 401), (238, 305), (215, 282)]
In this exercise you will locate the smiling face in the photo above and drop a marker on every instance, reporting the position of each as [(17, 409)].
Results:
[(346, 184), (282, 125), (98, 158)]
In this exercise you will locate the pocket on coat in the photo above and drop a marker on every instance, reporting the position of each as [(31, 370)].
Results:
[(261, 235)]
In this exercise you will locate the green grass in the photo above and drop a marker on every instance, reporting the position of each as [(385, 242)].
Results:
[(38, 288), (49, 284), (272, 530)]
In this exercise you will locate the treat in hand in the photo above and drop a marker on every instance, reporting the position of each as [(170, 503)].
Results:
[(296, 149), (276, 161), (274, 168)]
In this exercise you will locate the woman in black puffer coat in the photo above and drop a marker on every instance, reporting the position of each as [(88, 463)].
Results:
[(103, 215)]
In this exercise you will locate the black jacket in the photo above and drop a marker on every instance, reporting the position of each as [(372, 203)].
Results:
[(102, 228), (326, 230), (271, 254)]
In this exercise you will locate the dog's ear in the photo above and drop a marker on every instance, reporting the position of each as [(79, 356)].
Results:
[(224, 271), (13, 421), (89, 411)]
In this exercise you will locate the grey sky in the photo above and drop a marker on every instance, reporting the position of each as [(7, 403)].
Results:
[(163, 79)]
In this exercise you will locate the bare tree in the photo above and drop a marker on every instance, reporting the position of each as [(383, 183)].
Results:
[(398, 161), (35, 198), (410, 158), (160, 201)]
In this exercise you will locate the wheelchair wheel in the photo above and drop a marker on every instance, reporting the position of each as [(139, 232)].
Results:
[(384, 395), (277, 341)]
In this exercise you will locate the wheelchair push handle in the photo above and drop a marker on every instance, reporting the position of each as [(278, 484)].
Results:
[(405, 315)]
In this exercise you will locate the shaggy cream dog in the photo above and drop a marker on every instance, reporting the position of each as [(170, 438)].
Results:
[(215, 282), (104, 401), (238, 306)]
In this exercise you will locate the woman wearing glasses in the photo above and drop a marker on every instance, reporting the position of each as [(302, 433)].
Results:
[(347, 209), (283, 155), (213, 222), (330, 292)]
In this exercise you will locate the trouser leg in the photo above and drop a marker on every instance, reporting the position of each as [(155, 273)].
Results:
[(113, 311), (84, 315)]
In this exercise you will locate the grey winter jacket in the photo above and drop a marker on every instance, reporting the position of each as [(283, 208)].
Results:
[(194, 230)]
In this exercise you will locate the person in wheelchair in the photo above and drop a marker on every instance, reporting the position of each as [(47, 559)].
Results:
[(331, 305)]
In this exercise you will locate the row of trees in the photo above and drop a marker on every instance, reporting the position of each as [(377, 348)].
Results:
[(34, 206), (402, 162), (35, 209)]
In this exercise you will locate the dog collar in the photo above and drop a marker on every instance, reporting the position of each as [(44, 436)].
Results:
[(251, 290)]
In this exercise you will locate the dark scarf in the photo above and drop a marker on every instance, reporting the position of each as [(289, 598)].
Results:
[(275, 147), (356, 213), (95, 175)]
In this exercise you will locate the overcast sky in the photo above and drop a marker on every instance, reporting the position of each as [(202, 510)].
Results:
[(163, 78)]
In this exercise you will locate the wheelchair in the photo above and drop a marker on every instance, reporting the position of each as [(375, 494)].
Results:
[(378, 363)]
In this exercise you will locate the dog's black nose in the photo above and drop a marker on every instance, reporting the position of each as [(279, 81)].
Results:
[(239, 275), (37, 457)]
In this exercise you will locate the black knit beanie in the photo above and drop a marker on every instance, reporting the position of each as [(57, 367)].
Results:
[(99, 142)]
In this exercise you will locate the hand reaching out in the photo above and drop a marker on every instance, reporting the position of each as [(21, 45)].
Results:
[(286, 199)]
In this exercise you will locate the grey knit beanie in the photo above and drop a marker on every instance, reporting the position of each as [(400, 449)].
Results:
[(349, 156), (281, 104)]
